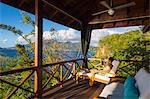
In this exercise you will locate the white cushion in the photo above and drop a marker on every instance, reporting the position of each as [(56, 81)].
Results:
[(115, 64), (115, 90), (109, 75), (146, 95), (143, 82), (88, 74), (83, 73), (105, 78)]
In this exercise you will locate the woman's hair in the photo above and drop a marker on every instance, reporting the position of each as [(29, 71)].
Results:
[(111, 59), (110, 62)]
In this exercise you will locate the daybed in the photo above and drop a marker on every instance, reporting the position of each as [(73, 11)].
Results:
[(99, 77), (137, 87)]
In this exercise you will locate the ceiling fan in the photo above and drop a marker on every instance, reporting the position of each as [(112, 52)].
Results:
[(111, 10)]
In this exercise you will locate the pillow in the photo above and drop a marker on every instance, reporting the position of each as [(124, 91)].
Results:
[(129, 80), (143, 82), (115, 64), (130, 91), (146, 95)]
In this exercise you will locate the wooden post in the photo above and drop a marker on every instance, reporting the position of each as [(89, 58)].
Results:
[(38, 49), (61, 74), (74, 69)]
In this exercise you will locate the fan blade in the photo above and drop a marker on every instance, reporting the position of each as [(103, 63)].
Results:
[(125, 5), (104, 3), (97, 13)]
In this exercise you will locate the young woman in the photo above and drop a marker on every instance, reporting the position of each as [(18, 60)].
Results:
[(106, 69)]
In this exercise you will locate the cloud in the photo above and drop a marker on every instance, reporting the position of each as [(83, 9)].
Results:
[(101, 33), (133, 28), (4, 41), (75, 36), (63, 35), (21, 40)]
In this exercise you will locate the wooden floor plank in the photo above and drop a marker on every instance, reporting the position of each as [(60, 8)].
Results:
[(76, 91)]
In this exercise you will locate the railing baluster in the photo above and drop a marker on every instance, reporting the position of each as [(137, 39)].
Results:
[(74, 69), (50, 77), (68, 70), (15, 85), (21, 83), (46, 71), (61, 73), (49, 73)]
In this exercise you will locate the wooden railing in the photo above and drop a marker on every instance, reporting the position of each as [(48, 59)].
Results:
[(97, 62), (127, 67), (60, 71)]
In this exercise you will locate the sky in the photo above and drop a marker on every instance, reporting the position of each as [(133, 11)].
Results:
[(11, 16)]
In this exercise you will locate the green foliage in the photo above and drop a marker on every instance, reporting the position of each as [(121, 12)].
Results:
[(123, 46), (23, 55), (6, 63), (15, 79), (128, 46), (11, 28), (26, 19), (24, 59)]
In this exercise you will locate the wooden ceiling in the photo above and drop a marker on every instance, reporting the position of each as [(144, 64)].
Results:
[(72, 13)]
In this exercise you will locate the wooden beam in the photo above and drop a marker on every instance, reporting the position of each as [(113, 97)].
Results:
[(70, 22), (86, 11), (68, 2), (4, 73), (119, 20), (38, 48), (20, 4), (62, 11), (53, 14)]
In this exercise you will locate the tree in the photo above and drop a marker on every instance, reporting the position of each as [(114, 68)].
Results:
[(127, 46), (25, 59)]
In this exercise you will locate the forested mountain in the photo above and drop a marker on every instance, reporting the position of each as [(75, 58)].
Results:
[(133, 45), (8, 52), (130, 45), (68, 46)]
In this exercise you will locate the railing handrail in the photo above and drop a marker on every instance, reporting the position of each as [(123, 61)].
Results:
[(33, 67), (131, 63), (119, 60), (94, 58), (18, 70), (51, 64), (132, 60)]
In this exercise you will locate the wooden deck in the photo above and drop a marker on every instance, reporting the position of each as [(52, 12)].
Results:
[(76, 91)]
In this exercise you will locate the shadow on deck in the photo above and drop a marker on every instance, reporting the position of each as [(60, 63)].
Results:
[(77, 91)]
